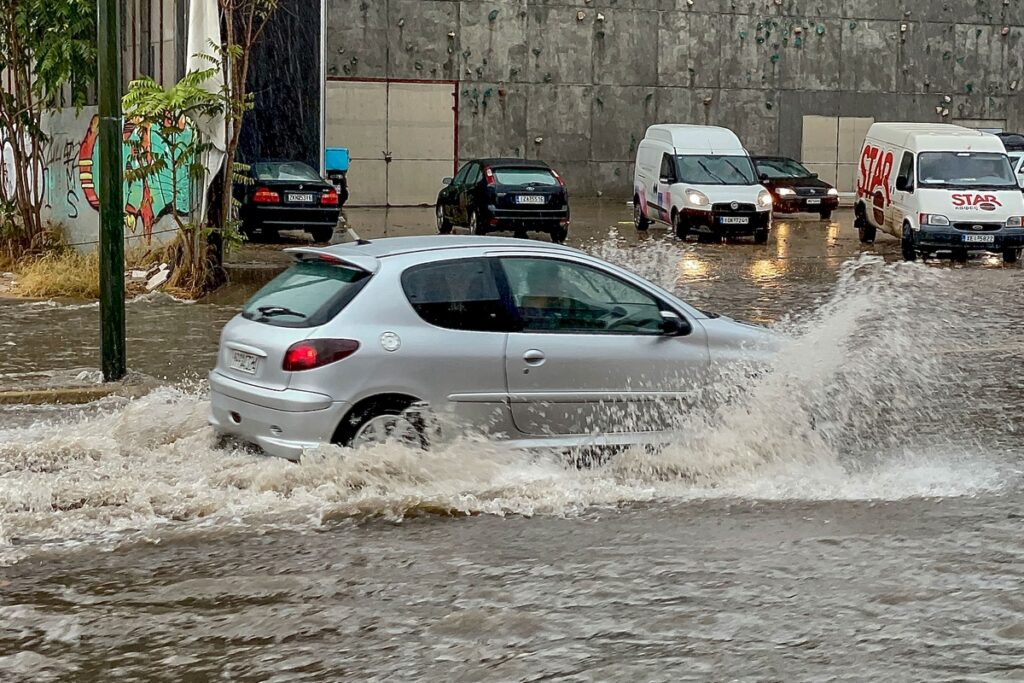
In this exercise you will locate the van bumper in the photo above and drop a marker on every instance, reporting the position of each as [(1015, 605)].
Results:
[(944, 238), (718, 223)]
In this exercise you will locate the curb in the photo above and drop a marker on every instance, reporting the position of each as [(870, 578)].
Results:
[(72, 395)]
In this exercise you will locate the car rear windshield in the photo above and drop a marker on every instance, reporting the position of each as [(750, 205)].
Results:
[(289, 170), (960, 170), (306, 295), (782, 168), (714, 169), (524, 176)]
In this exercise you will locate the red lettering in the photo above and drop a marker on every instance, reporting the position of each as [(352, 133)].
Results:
[(959, 200)]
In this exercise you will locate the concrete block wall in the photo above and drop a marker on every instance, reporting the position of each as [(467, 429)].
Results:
[(576, 82)]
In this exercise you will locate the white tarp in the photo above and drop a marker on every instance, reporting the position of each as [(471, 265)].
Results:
[(204, 29)]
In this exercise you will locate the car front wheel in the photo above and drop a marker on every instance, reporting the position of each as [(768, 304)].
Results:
[(907, 245), (761, 236)]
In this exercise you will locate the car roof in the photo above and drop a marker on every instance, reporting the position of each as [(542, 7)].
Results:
[(396, 246), (513, 163)]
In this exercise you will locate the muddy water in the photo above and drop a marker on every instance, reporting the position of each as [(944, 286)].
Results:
[(854, 514)]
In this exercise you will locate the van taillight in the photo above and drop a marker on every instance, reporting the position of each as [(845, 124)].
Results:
[(316, 353), (329, 198), (266, 196)]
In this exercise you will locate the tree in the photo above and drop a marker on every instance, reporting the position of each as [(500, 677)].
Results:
[(47, 56)]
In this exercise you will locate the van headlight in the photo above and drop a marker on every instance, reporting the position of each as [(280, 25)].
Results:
[(695, 198), (785, 192), (1015, 222), (933, 219), (764, 199)]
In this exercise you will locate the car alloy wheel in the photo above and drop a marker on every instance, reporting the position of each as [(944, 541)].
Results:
[(474, 223), (444, 227), (387, 429)]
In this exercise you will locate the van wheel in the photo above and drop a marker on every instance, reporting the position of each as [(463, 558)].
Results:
[(865, 231), (761, 236), (1011, 255), (639, 220), (682, 228), (907, 247)]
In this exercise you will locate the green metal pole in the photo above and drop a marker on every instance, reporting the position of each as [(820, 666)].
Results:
[(111, 192)]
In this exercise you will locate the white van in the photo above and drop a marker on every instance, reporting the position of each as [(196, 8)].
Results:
[(699, 180), (940, 189)]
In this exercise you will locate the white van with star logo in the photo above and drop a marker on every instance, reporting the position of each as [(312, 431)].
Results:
[(941, 190)]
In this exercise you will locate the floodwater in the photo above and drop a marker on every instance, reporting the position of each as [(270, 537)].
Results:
[(852, 514)]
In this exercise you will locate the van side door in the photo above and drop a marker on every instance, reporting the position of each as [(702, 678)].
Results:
[(902, 193)]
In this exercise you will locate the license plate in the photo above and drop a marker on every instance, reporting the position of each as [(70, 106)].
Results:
[(301, 197), (983, 239), (734, 220), (813, 201), (244, 362), (529, 199)]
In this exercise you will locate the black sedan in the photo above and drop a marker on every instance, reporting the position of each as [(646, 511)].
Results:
[(794, 188), (287, 195), (491, 195)]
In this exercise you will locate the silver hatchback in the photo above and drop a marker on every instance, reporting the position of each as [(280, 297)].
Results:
[(538, 344)]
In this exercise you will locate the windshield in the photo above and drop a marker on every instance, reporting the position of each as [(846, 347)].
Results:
[(712, 169), (285, 170), (782, 168), (306, 295), (524, 176), (965, 170)]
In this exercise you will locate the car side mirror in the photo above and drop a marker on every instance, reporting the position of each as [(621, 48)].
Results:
[(673, 326), (448, 180), (764, 177), (814, 175)]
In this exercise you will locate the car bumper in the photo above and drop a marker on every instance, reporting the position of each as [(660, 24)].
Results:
[(294, 216), (526, 219), (944, 238), (281, 423), (710, 221), (800, 204)]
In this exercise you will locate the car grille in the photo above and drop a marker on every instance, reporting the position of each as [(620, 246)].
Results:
[(726, 207), (978, 227), (810, 191)]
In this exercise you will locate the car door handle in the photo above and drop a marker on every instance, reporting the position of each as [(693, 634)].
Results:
[(534, 357)]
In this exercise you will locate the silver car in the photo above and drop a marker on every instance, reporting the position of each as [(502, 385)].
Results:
[(539, 344)]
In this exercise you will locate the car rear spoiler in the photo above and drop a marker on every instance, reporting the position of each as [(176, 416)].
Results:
[(364, 262)]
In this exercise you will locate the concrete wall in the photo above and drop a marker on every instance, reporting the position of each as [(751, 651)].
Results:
[(576, 82)]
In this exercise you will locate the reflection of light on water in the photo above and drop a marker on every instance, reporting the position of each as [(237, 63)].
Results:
[(782, 239), (766, 269), (692, 266)]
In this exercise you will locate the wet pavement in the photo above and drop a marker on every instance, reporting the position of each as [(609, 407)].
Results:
[(853, 515)]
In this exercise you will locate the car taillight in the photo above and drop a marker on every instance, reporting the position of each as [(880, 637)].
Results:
[(558, 178), (316, 353), (329, 198), (489, 175), (266, 196)]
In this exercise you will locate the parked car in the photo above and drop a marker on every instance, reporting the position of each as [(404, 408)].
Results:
[(795, 188), (1014, 144), (699, 180), (940, 189), (540, 344), (491, 195), (287, 195)]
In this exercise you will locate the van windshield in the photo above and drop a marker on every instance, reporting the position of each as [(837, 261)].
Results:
[(958, 170), (715, 169)]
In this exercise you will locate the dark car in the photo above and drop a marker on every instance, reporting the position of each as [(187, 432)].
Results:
[(491, 195), (287, 195), (794, 188)]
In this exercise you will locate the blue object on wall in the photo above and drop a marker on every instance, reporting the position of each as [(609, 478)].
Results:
[(336, 159)]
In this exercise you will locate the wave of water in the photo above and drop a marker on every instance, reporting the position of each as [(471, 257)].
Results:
[(847, 410)]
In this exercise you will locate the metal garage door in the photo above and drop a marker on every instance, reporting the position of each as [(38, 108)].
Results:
[(400, 136)]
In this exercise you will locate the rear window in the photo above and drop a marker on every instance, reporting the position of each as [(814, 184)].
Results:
[(306, 295), (458, 295), (289, 170), (524, 176)]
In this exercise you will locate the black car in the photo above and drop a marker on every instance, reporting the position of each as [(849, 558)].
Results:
[(490, 195), (794, 188), (287, 195)]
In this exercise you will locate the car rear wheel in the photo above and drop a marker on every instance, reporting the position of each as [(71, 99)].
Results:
[(826, 215), (639, 219), (444, 226), (681, 226), (322, 233), (379, 422), (559, 234), (1011, 255)]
